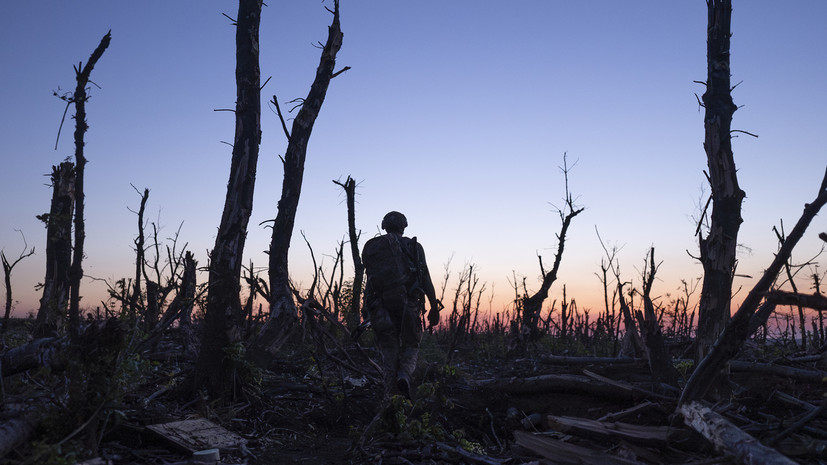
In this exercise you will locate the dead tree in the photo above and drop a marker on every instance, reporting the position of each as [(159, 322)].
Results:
[(79, 100), (224, 316), (283, 310), (632, 344), (140, 250), (660, 363), (740, 325), (611, 264), (186, 300), (7, 269), (179, 309), (358, 268), (717, 249), (55, 298), (788, 269), (532, 306)]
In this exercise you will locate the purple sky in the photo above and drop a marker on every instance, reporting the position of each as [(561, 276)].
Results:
[(455, 113)]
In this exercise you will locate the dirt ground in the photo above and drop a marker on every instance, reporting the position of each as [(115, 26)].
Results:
[(323, 404)]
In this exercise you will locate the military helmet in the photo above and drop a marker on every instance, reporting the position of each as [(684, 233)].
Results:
[(394, 222)]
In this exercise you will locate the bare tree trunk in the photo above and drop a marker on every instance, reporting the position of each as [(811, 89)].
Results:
[(79, 99), (632, 344), (283, 311), (187, 294), (358, 268), (153, 305), (718, 248), (135, 301), (564, 315), (55, 299), (224, 317)]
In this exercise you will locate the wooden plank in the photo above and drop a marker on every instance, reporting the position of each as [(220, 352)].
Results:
[(197, 434)]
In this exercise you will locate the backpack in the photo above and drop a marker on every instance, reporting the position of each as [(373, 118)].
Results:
[(389, 263)]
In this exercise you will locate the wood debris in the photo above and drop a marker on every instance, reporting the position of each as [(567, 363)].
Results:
[(198, 434)]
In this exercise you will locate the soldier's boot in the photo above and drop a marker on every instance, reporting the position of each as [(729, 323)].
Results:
[(407, 365)]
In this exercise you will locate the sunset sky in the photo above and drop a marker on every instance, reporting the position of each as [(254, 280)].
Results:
[(457, 114)]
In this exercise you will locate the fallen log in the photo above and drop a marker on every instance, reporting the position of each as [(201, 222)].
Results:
[(814, 301), (572, 360), (794, 401), (657, 436), (631, 411), (40, 352), (799, 424), (627, 387), (727, 438), (560, 452), (555, 383), (800, 374)]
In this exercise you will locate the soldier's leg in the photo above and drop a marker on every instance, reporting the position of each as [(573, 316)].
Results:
[(387, 337), (410, 336)]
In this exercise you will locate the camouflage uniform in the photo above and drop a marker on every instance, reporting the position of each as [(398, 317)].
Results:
[(395, 313)]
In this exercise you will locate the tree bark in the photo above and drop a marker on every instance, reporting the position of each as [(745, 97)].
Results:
[(224, 317), (283, 310), (55, 298), (79, 99), (717, 249)]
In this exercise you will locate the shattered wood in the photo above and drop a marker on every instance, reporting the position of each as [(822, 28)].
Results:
[(197, 434)]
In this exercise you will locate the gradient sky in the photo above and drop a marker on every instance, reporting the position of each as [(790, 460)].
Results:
[(455, 113)]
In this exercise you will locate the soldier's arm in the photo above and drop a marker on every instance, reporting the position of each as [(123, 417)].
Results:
[(427, 284)]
